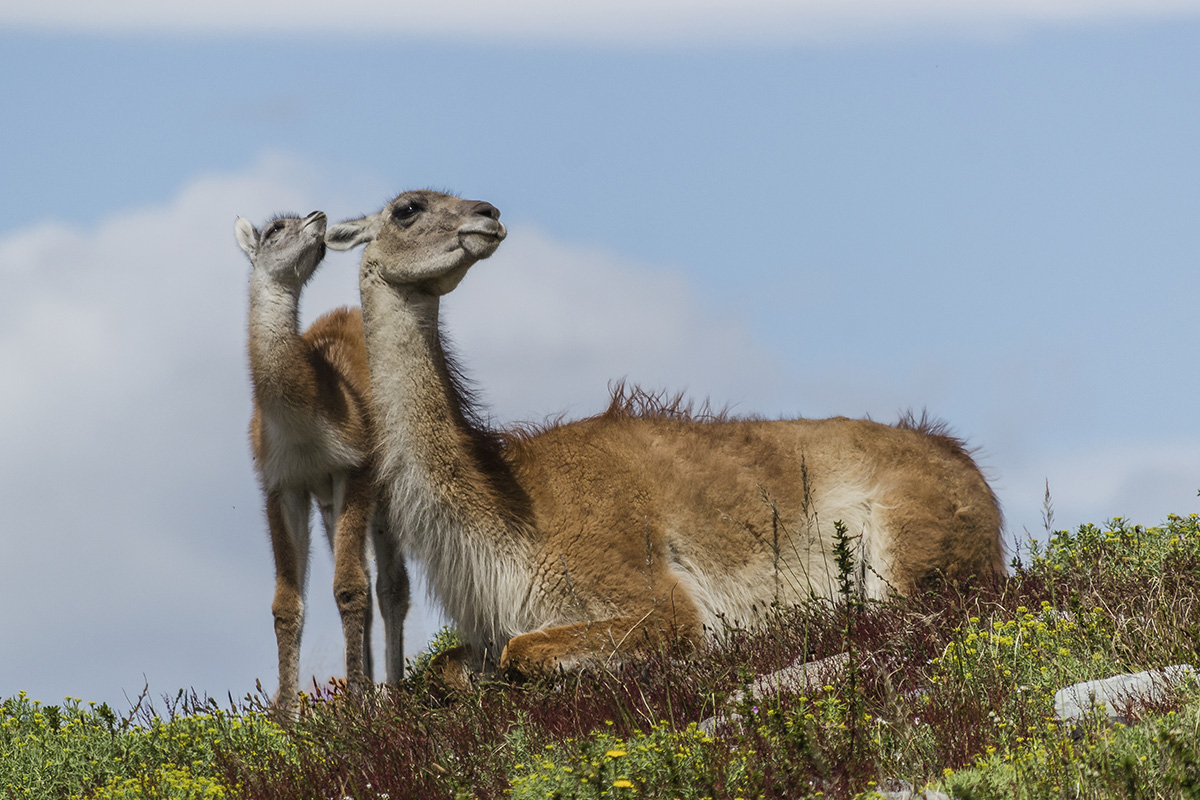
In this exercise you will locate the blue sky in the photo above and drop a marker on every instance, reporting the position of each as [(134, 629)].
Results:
[(992, 217)]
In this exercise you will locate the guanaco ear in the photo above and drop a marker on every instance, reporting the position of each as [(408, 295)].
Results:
[(351, 233), (247, 236)]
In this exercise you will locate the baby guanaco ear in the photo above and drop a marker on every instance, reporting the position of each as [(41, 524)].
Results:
[(247, 236), (351, 233)]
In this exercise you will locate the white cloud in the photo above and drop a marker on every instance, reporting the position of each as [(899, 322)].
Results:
[(131, 508), (624, 21), (132, 514), (123, 444)]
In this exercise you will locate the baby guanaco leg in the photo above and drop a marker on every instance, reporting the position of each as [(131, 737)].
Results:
[(287, 520)]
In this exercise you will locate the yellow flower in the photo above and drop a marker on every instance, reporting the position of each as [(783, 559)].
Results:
[(623, 784), (615, 753)]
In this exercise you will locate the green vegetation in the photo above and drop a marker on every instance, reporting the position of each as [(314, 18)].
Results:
[(72, 750), (951, 690)]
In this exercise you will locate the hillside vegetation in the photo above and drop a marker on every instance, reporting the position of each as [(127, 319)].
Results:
[(951, 691)]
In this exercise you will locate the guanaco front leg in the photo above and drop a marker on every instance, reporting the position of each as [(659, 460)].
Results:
[(567, 647), (287, 519)]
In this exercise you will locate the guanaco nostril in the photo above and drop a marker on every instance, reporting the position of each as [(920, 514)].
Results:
[(487, 210)]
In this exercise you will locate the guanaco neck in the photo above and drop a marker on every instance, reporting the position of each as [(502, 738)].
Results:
[(277, 351), (459, 506)]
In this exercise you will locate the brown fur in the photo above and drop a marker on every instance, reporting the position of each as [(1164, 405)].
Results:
[(580, 541)]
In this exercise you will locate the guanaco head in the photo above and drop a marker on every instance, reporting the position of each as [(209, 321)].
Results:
[(287, 250), (423, 239)]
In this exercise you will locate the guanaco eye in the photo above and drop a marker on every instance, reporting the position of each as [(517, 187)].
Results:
[(275, 228), (407, 211)]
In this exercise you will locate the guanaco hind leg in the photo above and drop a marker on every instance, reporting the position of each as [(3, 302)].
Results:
[(350, 515), (392, 587)]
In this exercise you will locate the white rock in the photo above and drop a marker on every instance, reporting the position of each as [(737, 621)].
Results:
[(1115, 694)]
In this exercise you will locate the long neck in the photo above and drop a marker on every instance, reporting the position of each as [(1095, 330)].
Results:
[(458, 506), (276, 349)]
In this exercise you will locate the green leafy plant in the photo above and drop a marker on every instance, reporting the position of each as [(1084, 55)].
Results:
[(72, 750)]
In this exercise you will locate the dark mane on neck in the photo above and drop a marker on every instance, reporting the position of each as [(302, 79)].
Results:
[(487, 446)]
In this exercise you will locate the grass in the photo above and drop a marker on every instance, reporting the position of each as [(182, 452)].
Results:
[(951, 690)]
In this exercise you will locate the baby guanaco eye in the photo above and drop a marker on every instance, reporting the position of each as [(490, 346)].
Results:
[(275, 228)]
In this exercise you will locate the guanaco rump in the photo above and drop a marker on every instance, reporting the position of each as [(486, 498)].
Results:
[(311, 437), (578, 542)]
